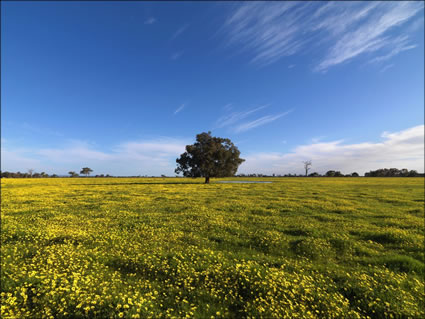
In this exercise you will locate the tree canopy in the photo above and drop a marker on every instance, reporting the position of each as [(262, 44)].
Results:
[(73, 174), (392, 172), (209, 157), (86, 171)]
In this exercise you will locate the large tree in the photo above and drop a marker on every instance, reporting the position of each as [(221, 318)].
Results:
[(86, 171), (209, 157)]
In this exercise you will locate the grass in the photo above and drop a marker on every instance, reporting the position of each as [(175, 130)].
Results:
[(151, 248)]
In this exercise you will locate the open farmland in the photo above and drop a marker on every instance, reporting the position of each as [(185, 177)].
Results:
[(137, 248)]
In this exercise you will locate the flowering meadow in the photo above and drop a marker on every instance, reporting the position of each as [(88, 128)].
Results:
[(178, 248)]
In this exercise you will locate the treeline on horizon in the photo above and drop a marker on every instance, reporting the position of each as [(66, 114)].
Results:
[(382, 172), (42, 175)]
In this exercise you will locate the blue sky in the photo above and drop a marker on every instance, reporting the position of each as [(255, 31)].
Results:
[(123, 87)]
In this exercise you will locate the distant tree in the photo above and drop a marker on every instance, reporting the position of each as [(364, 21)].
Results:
[(330, 173), (30, 172), (404, 172), (413, 173), (307, 165), (355, 174), (86, 171), (394, 172), (334, 174), (73, 174), (43, 174), (315, 174), (6, 174), (209, 157)]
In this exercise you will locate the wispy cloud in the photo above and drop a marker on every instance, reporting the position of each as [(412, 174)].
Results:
[(234, 117), (179, 31), (372, 35), (179, 109), (403, 149), (150, 20), (176, 55), (228, 107), (385, 68), (259, 122), (400, 44), (270, 31), (416, 24)]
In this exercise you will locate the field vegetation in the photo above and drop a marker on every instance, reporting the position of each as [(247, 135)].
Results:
[(174, 247)]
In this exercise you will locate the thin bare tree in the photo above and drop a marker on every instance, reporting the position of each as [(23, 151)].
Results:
[(307, 165)]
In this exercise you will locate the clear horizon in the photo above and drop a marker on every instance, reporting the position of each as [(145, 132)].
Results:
[(123, 87)]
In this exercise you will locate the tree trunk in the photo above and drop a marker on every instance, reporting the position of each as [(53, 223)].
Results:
[(207, 180)]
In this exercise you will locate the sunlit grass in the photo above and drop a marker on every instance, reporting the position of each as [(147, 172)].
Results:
[(138, 248)]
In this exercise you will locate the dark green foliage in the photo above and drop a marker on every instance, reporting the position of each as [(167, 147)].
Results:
[(315, 174), (86, 171), (209, 157), (334, 174), (30, 174), (72, 174), (393, 172)]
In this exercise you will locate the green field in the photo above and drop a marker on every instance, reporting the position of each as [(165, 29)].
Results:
[(151, 248)]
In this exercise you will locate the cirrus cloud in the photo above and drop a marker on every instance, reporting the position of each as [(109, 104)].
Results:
[(268, 32)]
